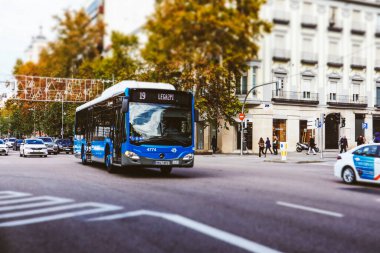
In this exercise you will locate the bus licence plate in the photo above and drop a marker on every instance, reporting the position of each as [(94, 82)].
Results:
[(162, 162)]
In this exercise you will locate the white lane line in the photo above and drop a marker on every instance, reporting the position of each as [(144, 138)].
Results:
[(12, 194), (46, 201), (310, 209), (95, 208), (23, 200), (197, 226)]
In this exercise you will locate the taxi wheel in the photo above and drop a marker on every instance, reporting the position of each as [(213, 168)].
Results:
[(348, 175)]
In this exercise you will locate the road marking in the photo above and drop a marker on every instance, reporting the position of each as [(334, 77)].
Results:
[(197, 226), (23, 200), (46, 201), (95, 208), (310, 209), (12, 194)]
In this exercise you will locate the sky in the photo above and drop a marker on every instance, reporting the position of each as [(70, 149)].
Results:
[(20, 21)]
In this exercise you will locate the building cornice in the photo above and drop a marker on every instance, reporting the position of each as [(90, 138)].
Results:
[(361, 2)]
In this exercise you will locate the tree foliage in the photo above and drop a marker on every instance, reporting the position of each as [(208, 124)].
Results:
[(204, 46)]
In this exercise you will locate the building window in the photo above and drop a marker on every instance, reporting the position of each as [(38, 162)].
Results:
[(355, 91), (306, 88), (378, 94), (247, 141), (200, 135), (244, 84), (333, 15), (333, 90), (254, 69), (279, 129), (333, 47), (305, 133), (307, 8)]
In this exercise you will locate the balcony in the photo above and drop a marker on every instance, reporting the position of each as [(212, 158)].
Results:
[(358, 28), (347, 101), (282, 55), (281, 17), (309, 22), (335, 26), (377, 64), (306, 97), (309, 58), (358, 63), (335, 61)]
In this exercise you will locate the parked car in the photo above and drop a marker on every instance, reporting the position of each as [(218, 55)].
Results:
[(33, 147), (359, 164), (52, 148), (9, 142), (65, 145), (17, 144), (3, 148)]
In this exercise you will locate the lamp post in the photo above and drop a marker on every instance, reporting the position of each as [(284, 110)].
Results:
[(242, 111)]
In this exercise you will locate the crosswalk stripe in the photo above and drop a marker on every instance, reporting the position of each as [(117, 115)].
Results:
[(23, 200), (46, 201), (96, 208), (12, 194)]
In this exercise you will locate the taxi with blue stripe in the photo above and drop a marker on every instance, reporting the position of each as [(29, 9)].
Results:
[(360, 164)]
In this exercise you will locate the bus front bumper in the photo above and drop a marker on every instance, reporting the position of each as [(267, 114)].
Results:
[(147, 162)]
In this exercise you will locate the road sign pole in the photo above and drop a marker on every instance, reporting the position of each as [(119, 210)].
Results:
[(322, 118)]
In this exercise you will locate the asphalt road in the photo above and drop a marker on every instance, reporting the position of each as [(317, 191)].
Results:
[(223, 204)]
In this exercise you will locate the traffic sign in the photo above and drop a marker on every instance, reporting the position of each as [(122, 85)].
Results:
[(364, 125), (241, 116)]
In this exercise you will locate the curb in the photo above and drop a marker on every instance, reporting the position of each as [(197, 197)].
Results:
[(290, 161)]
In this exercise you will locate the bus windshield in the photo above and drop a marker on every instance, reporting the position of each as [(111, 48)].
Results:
[(159, 124)]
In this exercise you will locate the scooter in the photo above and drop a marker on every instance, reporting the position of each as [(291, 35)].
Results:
[(304, 146)]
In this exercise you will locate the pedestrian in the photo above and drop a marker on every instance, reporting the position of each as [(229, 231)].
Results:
[(343, 144), (311, 146), (213, 144), (377, 138), (268, 146), (275, 143), (360, 140), (261, 146)]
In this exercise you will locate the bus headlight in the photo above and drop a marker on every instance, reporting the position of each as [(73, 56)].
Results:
[(188, 157), (132, 155)]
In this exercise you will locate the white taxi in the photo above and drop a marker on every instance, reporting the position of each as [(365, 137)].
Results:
[(360, 164), (3, 148), (33, 147)]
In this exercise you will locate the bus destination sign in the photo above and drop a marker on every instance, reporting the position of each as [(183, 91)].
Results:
[(160, 96)]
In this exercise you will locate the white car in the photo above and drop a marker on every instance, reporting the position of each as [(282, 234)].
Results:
[(33, 147), (9, 142), (360, 164), (3, 148)]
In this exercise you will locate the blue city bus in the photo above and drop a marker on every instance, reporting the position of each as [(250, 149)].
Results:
[(137, 124)]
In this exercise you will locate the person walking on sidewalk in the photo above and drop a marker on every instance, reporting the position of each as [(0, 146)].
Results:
[(275, 143), (343, 144), (213, 144), (261, 146), (360, 140), (377, 138), (268, 146), (311, 146)]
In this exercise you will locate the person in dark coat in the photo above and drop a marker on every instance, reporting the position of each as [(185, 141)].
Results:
[(268, 146), (261, 146), (311, 146), (377, 138), (275, 145), (360, 140), (343, 144), (213, 144)]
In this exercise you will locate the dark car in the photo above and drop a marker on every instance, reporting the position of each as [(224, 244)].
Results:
[(65, 145), (17, 144)]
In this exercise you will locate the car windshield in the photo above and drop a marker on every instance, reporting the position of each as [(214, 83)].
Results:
[(34, 142), (46, 139), (1, 142), (19, 141), (159, 124)]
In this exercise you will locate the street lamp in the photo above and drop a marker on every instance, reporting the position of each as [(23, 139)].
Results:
[(242, 111)]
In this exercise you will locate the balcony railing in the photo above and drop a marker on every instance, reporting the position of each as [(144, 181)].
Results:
[(309, 21), (281, 17), (358, 62), (358, 28), (335, 61), (309, 58), (335, 26), (346, 100), (305, 97), (281, 55)]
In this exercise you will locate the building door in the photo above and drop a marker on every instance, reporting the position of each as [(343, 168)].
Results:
[(376, 124), (359, 120), (332, 131)]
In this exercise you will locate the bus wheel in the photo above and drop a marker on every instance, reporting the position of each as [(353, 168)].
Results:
[(109, 162), (166, 171)]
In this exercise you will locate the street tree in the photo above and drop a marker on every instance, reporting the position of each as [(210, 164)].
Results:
[(204, 46)]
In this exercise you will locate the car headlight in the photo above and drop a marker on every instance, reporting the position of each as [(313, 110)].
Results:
[(188, 157), (132, 155)]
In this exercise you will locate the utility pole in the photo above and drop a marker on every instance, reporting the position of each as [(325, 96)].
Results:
[(242, 111), (62, 119)]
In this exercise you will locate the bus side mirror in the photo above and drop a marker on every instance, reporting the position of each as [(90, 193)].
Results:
[(196, 116), (125, 105)]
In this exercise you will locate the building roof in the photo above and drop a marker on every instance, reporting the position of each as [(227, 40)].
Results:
[(120, 88)]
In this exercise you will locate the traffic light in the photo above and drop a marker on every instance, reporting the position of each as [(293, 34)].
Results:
[(343, 122)]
